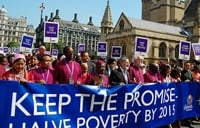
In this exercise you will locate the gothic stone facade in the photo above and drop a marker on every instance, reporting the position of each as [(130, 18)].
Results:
[(163, 39)]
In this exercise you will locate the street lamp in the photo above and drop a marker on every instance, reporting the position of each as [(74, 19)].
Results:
[(39, 29), (41, 9)]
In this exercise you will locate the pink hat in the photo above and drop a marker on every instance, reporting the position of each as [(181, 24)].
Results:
[(18, 56), (99, 63)]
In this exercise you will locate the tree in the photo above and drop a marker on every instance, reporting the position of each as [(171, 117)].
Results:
[(13, 44), (60, 45)]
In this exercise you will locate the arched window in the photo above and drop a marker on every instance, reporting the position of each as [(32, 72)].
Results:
[(124, 49), (162, 50), (121, 25), (177, 51)]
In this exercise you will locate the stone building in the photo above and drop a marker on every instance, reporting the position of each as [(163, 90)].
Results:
[(12, 29), (192, 20), (72, 33), (163, 39), (164, 22), (163, 11), (183, 13)]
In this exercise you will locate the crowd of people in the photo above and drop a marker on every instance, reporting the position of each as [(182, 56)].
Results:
[(42, 68)]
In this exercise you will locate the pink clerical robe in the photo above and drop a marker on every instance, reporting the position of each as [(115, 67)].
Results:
[(43, 74), (65, 71), (2, 70), (136, 74), (150, 77)]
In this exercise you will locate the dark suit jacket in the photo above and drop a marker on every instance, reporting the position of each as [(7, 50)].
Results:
[(91, 67), (117, 77)]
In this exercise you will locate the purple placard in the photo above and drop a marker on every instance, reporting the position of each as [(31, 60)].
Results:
[(16, 50), (36, 50), (196, 48), (51, 29), (102, 47), (48, 52), (185, 48), (141, 44), (54, 52), (1, 49), (116, 52), (27, 41), (81, 48), (5, 49)]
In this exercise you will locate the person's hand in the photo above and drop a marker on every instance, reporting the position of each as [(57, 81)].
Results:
[(121, 83), (157, 82), (77, 83), (187, 80), (42, 81), (23, 80)]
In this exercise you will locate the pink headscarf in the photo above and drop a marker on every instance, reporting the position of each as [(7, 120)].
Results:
[(18, 56)]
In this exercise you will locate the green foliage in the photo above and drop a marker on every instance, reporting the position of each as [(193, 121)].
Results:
[(13, 44), (60, 45)]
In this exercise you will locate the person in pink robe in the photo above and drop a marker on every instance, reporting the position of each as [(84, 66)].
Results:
[(135, 70), (152, 74), (67, 70), (85, 77), (44, 73), (2, 71), (18, 71), (100, 78)]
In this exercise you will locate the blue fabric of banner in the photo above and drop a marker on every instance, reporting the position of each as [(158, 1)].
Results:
[(32, 105)]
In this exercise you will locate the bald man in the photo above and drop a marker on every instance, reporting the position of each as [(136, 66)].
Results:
[(41, 52)]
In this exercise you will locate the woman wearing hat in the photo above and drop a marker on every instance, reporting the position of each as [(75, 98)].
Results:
[(18, 71)]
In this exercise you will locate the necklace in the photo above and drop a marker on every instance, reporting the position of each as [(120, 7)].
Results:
[(18, 76), (46, 78)]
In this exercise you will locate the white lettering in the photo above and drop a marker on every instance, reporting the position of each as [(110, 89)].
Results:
[(101, 103), (110, 101), (80, 122), (49, 104), (17, 103), (106, 122), (151, 97), (82, 100), (37, 104), (114, 121), (62, 102)]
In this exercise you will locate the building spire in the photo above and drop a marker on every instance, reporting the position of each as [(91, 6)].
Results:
[(106, 22), (107, 18)]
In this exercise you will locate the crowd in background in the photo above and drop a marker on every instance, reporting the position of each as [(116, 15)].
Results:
[(66, 69)]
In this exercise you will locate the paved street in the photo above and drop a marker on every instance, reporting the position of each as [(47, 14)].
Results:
[(194, 125)]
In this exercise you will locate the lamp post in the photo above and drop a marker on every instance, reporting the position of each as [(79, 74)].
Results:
[(41, 9), (39, 29)]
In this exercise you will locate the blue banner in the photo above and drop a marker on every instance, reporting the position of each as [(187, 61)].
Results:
[(31, 105)]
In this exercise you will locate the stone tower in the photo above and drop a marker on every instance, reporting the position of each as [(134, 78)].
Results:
[(106, 23), (192, 20), (163, 11)]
